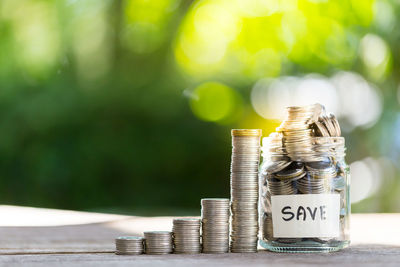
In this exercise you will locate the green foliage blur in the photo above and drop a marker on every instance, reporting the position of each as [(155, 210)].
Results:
[(106, 105)]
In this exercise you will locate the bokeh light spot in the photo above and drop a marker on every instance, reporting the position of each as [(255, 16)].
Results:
[(36, 35), (90, 40), (205, 36), (384, 16), (361, 103), (270, 97), (234, 38), (213, 101), (366, 179), (257, 8), (375, 55), (145, 24)]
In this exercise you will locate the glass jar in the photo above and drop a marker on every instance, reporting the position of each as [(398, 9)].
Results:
[(304, 199)]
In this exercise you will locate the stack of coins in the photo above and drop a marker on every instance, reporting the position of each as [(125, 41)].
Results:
[(186, 236), (215, 225), (327, 145), (244, 189), (158, 242), (279, 187), (327, 125), (129, 245), (296, 132), (276, 150)]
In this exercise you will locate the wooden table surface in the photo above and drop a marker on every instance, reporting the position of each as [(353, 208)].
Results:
[(44, 237)]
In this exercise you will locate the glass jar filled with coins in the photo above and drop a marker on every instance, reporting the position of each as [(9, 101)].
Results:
[(304, 184)]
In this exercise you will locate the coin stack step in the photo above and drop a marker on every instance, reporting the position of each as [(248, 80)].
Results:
[(215, 225), (129, 245), (244, 189), (158, 242), (186, 233)]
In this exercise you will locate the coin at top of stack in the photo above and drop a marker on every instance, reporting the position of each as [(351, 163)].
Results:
[(215, 225), (297, 135), (246, 132), (129, 245), (158, 242), (186, 233), (244, 189)]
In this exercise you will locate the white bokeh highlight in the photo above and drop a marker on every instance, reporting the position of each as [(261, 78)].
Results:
[(366, 178), (348, 95)]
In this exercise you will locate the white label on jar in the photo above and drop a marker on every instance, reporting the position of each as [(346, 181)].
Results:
[(311, 215)]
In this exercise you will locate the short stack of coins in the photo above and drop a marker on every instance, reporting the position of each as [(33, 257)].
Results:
[(244, 189), (215, 225), (158, 242), (129, 245), (186, 233)]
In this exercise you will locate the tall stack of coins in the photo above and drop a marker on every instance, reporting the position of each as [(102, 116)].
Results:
[(186, 236), (215, 225), (244, 189), (158, 242), (129, 245)]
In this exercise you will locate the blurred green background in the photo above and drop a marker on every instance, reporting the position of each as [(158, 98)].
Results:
[(127, 106)]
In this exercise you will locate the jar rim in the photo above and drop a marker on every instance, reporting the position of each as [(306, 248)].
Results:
[(321, 146)]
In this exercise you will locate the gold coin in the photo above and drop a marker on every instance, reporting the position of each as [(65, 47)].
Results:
[(246, 132)]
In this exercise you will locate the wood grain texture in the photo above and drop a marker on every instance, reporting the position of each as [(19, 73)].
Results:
[(375, 241), (374, 255)]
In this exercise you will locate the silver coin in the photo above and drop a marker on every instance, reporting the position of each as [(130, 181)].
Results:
[(215, 225), (129, 245), (244, 189), (328, 125), (158, 242), (276, 166), (335, 123), (186, 232), (321, 129)]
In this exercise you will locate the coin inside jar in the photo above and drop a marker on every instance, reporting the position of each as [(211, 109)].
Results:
[(321, 129), (317, 165), (277, 166), (335, 124), (294, 171), (279, 187)]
